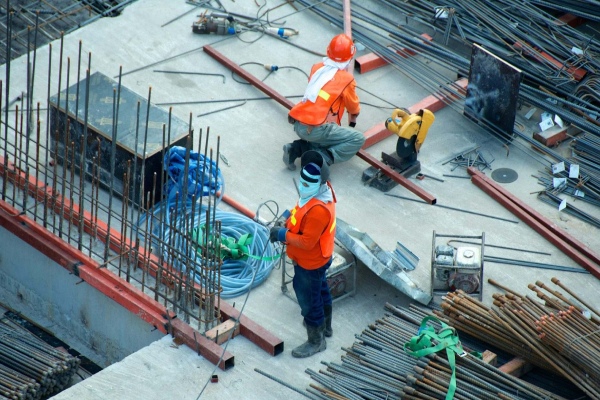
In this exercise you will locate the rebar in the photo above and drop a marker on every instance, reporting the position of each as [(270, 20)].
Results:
[(59, 181), (377, 367), (29, 367)]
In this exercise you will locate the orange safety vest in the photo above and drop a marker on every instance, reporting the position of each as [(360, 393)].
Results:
[(329, 105), (327, 239)]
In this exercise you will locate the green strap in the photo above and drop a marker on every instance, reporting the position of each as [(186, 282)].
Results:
[(446, 338), (231, 248)]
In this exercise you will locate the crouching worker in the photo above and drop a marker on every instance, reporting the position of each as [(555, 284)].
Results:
[(317, 118)]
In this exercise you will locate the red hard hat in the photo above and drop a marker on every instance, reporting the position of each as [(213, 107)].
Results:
[(341, 48)]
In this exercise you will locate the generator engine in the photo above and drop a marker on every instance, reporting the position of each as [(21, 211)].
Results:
[(457, 268)]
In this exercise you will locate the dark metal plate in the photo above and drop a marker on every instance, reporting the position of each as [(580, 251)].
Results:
[(504, 175)]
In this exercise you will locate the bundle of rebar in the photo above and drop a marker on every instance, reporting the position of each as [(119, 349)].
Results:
[(557, 333), (29, 367), (377, 367)]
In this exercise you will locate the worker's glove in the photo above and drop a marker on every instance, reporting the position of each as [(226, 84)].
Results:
[(352, 124), (352, 120), (280, 222), (277, 234)]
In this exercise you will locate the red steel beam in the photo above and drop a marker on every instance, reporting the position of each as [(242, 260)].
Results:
[(539, 217), (542, 56), (248, 328), (368, 62), (254, 332), (572, 20), (288, 104), (249, 77), (239, 206), (433, 103), (371, 61), (565, 242)]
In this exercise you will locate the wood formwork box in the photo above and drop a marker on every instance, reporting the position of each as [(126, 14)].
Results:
[(132, 131)]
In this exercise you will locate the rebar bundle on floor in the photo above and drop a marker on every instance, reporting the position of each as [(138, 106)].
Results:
[(29, 367), (557, 334), (378, 367)]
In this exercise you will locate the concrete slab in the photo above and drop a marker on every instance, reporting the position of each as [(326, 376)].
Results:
[(251, 137)]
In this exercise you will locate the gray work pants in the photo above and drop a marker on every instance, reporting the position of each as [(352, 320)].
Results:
[(342, 141)]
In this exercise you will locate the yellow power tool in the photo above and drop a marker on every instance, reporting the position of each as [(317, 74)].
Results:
[(411, 130)]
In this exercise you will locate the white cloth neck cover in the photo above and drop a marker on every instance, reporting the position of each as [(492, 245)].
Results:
[(321, 77)]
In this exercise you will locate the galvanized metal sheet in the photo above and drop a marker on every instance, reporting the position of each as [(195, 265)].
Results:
[(378, 260)]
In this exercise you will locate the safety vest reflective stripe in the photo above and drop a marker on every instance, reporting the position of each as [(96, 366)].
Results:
[(327, 240)]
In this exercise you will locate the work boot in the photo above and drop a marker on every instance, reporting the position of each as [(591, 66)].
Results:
[(314, 344), (328, 316), (289, 156)]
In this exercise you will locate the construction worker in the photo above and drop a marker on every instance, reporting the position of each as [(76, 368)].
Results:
[(309, 233), (317, 118)]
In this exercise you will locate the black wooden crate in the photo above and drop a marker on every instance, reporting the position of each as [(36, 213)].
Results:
[(103, 91)]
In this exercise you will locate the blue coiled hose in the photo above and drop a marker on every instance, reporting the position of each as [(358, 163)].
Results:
[(236, 274)]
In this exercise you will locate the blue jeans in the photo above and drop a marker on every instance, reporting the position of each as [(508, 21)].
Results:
[(312, 292)]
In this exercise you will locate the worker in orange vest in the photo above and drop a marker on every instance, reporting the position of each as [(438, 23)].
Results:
[(309, 233), (317, 118)]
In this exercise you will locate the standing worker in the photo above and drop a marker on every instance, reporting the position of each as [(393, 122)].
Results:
[(317, 118), (309, 233)]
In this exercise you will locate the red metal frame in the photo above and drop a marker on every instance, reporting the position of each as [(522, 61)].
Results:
[(572, 20), (371, 61), (543, 57)]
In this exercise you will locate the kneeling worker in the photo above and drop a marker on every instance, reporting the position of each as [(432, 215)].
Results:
[(309, 234), (317, 118)]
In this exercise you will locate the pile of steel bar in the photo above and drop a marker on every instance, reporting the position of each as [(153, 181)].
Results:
[(569, 245), (31, 368), (554, 333), (377, 367), (576, 188)]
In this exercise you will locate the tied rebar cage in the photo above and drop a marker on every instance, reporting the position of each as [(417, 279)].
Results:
[(74, 181)]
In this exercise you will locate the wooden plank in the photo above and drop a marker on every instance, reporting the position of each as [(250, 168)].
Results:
[(516, 367), (490, 358), (223, 332)]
